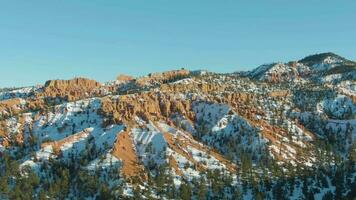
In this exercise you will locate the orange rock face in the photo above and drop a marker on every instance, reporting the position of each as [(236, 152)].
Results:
[(148, 106), (10, 107), (124, 78), (162, 77), (71, 90)]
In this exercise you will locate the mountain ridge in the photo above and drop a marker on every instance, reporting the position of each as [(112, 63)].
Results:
[(145, 137)]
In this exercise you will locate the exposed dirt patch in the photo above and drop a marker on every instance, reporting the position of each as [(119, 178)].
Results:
[(124, 150)]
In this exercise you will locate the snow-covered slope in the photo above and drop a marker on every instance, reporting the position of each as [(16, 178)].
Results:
[(281, 127), (324, 67)]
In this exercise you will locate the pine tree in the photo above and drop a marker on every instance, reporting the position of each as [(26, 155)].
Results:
[(185, 191), (202, 189), (104, 193)]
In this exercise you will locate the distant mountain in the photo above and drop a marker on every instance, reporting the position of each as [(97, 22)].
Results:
[(316, 59), (280, 131), (325, 67)]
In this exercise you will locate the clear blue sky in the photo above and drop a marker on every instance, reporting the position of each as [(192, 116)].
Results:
[(41, 40)]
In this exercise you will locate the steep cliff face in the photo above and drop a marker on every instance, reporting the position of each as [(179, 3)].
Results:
[(149, 106), (71, 90)]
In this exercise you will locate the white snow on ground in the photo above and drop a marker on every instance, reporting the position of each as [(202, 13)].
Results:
[(347, 87), (266, 72), (78, 138), (298, 142), (340, 126), (184, 124), (202, 157), (220, 124), (290, 149), (103, 139), (45, 153), (278, 151), (30, 163), (328, 63), (150, 144), (74, 117), (12, 125), (184, 165), (331, 78), (105, 162), (211, 112), (298, 134), (339, 106), (184, 81), (155, 138), (310, 162), (17, 93), (67, 118), (261, 69)]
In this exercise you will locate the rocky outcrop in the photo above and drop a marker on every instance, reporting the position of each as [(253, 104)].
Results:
[(11, 107), (163, 77), (162, 104), (148, 106), (170, 74), (124, 78), (71, 90), (277, 77)]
